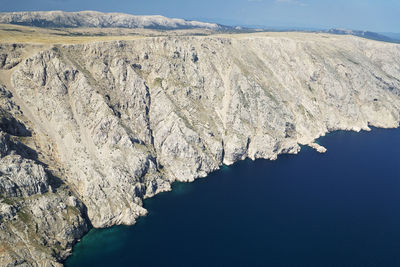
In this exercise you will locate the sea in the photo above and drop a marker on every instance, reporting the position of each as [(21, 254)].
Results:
[(341, 208)]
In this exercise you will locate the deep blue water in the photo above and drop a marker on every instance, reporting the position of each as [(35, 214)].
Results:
[(341, 208)]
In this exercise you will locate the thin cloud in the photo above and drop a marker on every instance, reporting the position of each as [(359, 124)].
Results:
[(294, 2)]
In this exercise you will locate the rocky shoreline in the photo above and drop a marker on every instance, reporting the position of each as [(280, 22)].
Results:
[(90, 130)]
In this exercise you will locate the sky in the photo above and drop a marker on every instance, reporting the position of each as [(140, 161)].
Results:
[(373, 15)]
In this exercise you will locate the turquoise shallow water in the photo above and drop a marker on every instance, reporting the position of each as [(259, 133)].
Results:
[(341, 208)]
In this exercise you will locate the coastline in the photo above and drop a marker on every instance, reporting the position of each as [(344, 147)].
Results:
[(181, 188), (176, 197), (132, 129)]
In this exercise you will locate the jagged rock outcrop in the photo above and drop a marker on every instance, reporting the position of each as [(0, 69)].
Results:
[(116, 122), (10, 55), (21, 177), (40, 219), (318, 147)]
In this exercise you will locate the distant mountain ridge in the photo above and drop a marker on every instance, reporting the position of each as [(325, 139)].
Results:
[(384, 37), (364, 34), (392, 35), (95, 19), (99, 19)]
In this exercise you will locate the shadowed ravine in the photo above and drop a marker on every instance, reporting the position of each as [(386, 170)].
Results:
[(335, 209)]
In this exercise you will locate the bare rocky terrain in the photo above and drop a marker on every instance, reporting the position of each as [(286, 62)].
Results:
[(88, 130), (99, 20)]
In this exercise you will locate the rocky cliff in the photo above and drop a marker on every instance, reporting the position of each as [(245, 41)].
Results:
[(90, 130)]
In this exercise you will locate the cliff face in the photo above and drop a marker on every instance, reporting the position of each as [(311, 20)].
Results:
[(40, 218), (105, 125)]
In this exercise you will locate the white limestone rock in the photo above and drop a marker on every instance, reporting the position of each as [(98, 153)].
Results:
[(98, 19), (318, 147), (120, 121)]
